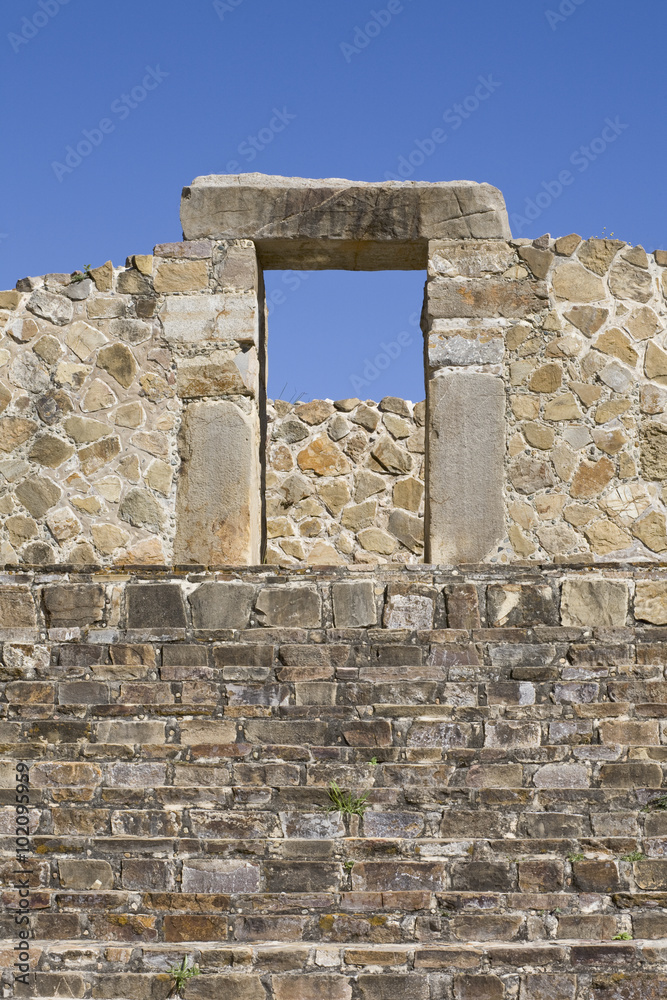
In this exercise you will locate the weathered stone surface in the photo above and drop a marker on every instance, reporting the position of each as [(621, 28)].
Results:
[(588, 319), (604, 537), (103, 276), (50, 306), (597, 255), (615, 342), (50, 451), (289, 606), (408, 528), (17, 608), (324, 458), (573, 282), (629, 282), (84, 340), (539, 261), (14, 431), (222, 605), (465, 347), (154, 605), (38, 494), (118, 360), (74, 604), (528, 475), (194, 319), (354, 604), (651, 530), (655, 363), (220, 876), (108, 537), (391, 456), (133, 331), (85, 874), (594, 602), (217, 499), (651, 601), (298, 222), (591, 478), (181, 276), (197, 377), (480, 298), (653, 449), (98, 454), (377, 540), (465, 467)]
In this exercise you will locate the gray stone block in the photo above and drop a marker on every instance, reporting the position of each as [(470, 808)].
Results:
[(465, 467), (68, 605), (354, 604), (222, 605), (218, 496), (298, 222), (295, 607), (154, 605)]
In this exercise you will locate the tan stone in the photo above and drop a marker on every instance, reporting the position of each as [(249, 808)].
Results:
[(626, 466), (108, 537), (653, 450), (38, 494), (523, 514), (94, 456), (566, 245), (314, 412), (10, 299), (98, 397), (588, 394), (643, 323), (564, 347), (573, 282), (5, 397), (618, 344), (359, 515), (323, 457), (525, 407), (591, 478), (652, 399), (546, 379), (20, 528), (147, 552), (627, 502), (563, 407), (204, 377), (154, 442), (564, 460), (141, 509), (655, 363), (89, 504), (588, 319), (83, 430), (50, 451), (528, 475), (72, 374), (597, 255), (538, 435), (610, 440), (83, 339), (590, 602), (130, 469), (518, 335), (22, 330), (294, 548), (397, 426), (334, 495), (637, 256), (611, 408), (557, 539), (539, 261), (103, 277), (604, 537), (521, 544), (14, 431), (579, 514), (118, 360), (130, 415), (279, 527), (652, 531), (391, 456), (520, 371), (408, 493), (550, 505), (651, 601), (159, 476), (377, 540), (629, 282), (143, 263), (63, 524), (110, 487), (48, 348), (181, 276), (324, 554), (155, 387)]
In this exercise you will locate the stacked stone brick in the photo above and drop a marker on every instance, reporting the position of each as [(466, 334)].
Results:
[(507, 728), (345, 482)]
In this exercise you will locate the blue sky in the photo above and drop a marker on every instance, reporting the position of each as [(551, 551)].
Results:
[(188, 87)]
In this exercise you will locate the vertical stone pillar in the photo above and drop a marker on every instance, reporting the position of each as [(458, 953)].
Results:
[(210, 317), (473, 293)]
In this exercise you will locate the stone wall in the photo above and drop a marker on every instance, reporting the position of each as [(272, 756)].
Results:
[(345, 482), (572, 334)]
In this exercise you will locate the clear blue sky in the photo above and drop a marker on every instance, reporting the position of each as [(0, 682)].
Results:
[(353, 104)]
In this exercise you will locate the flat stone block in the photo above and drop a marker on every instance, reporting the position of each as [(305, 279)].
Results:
[(218, 495), (154, 605), (354, 604), (222, 605), (298, 607), (594, 602), (465, 467), (298, 222), (471, 298), (193, 319)]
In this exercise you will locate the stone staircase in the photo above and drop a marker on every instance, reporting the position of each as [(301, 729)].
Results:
[(513, 838)]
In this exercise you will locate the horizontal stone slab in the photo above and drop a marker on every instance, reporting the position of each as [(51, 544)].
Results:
[(334, 223)]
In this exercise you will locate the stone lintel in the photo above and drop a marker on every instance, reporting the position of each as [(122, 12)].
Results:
[(335, 223)]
